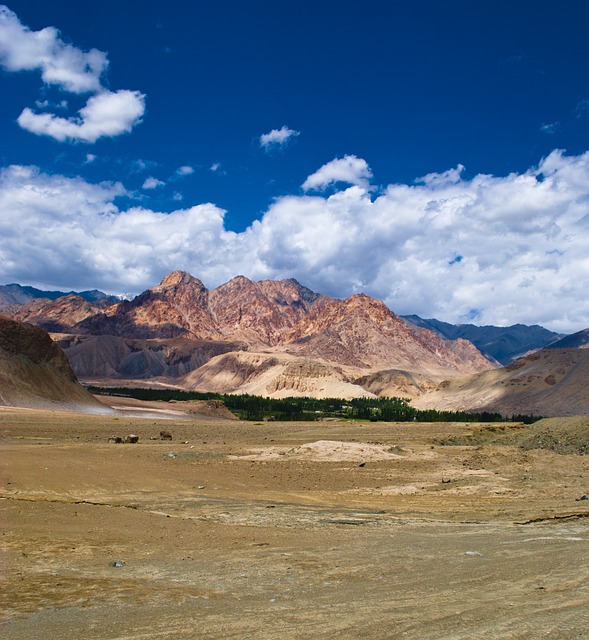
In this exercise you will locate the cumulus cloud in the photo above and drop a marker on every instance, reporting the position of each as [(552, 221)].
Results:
[(496, 249), (185, 170), (349, 169), (277, 137), (106, 114), (152, 183), (60, 64), (452, 176)]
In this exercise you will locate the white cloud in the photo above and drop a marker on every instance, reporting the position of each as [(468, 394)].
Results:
[(523, 240), (60, 64), (106, 113), (90, 158), (349, 169), (451, 176), (152, 183), (185, 170), (215, 166), (277, 137)]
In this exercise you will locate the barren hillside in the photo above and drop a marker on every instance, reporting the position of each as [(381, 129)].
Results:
[(34, 372), (551, 382)]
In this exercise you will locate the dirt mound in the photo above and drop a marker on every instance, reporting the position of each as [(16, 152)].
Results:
[(337, 451), (326, 450), (561, 435)]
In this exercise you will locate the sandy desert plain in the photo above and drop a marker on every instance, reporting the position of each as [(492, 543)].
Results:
[(292, 530)]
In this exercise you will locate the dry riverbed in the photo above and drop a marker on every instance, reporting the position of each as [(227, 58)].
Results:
[(288, 530)]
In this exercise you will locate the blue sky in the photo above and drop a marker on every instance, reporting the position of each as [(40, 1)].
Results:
[(430, 154)]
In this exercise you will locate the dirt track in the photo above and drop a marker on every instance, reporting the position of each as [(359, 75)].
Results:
[(285, 530)]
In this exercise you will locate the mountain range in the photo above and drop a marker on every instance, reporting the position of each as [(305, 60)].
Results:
[(279, 338), (499, 344), (271, 337), (15, 295)]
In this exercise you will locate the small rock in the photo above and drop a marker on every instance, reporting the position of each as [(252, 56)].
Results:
[(582, 498), (362, 464), (473, 554), (118, 563), (201, 486), (131, 439), (171, 454)]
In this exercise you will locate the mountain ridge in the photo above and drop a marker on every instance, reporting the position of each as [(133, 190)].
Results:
[(499, 344), (286, 329)]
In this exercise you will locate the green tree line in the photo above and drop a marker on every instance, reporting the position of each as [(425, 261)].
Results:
[(258, 408)]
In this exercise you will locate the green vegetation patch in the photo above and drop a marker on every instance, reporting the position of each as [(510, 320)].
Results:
[(257, 408)]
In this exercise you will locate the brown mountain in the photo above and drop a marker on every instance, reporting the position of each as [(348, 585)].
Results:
[(56, 315), (34, 371), (297, 341), (550, 382)]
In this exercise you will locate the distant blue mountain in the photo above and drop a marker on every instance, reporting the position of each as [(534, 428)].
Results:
[(16, 294), (502, 344), (579, 340)]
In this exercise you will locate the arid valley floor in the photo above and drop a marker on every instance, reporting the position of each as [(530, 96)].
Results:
[(291, 530)]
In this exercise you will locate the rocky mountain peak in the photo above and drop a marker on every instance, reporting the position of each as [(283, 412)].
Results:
[(179, 279)]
